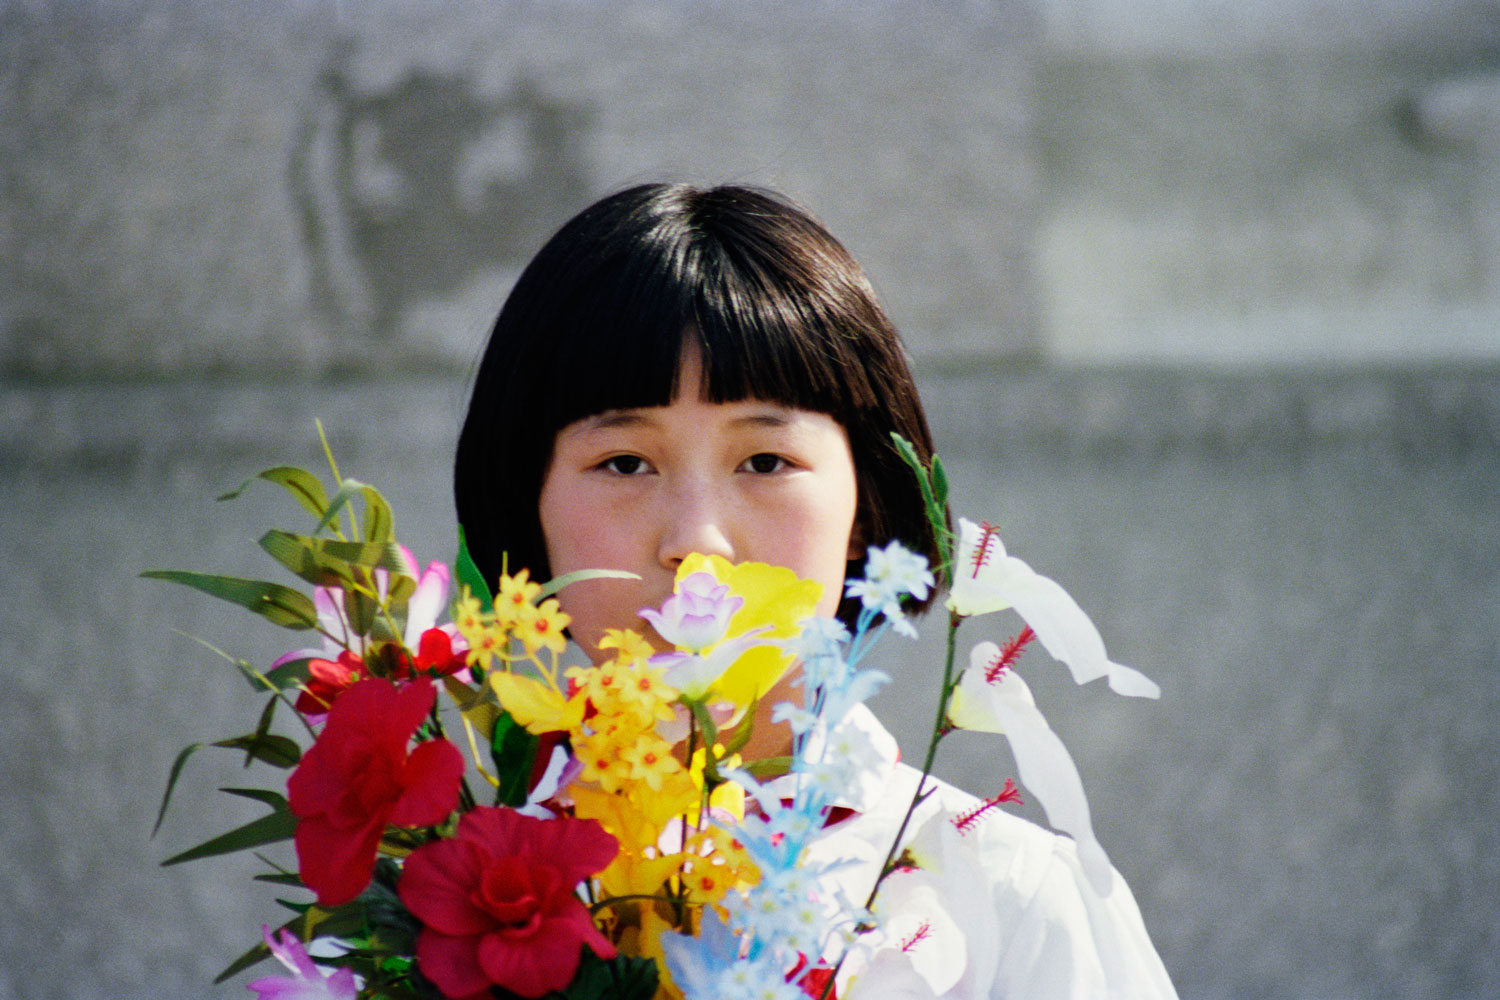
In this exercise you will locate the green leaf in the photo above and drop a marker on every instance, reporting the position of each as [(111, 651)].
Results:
[(270, 829), (469, 576), (743, 731), (278, 751), (939, 481), (305, 487), (360, 609), (279, 878), (769, 767), (621, 978), (172, 776), (280, 605), (275, 800), (289, 674), (331, 560), (379, 523), (557, 583), (513, 749)]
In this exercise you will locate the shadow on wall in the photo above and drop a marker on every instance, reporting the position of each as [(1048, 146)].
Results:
[(406, 193)]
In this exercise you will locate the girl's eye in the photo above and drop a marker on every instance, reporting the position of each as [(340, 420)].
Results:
[(764, 463), (625, 465)]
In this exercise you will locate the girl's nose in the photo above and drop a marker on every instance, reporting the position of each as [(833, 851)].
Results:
[(693, 522)]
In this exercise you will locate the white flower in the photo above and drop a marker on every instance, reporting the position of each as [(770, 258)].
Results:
[(985, 579), (1005, 706), (890, 574)]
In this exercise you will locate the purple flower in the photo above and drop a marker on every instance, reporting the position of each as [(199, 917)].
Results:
[(309, 983), (697, 615)]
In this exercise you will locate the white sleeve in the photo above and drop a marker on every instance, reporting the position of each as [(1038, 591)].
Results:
[(1059, 939)]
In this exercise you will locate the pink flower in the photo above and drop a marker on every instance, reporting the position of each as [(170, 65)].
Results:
[(358, 778), (498, 902), (308, 983)]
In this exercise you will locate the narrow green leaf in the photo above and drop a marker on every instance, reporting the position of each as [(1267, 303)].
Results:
[(278, 751), (469, 576), (288, 675), (279, 878), (769, 767), (275, 800), (281, 605), (743, 731), (379, 523), (267, 830), (259, 953), (305, 487), (557, 583), (939, 481), (172, 776), (513, 749)]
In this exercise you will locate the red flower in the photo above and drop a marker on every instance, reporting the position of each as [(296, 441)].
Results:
[(358, 778), (326, 680), (435, 655), (498, 905)]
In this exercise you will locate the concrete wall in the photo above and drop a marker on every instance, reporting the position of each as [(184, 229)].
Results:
[(195, 185)]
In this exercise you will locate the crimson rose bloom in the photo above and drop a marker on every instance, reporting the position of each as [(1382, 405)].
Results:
[(358, 777), (498, 905)]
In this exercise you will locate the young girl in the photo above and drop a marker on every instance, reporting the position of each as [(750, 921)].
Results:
[(685, 370)]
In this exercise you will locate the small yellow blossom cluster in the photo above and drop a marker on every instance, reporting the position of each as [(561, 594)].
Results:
[(516, 615), (619, 743)]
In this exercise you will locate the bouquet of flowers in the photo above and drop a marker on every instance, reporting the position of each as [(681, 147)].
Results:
[(473, 819)]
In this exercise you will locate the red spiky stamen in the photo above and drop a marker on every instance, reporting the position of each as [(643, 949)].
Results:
[(1008, 655), (988, 533), (968, 820), (922, 933)]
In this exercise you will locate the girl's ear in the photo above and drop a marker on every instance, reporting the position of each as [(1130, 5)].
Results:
[(857, 543)]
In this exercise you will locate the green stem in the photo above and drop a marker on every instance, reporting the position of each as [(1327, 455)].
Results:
[(938, 731)]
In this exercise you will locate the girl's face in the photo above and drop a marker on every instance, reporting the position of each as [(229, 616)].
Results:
[(640, 489)]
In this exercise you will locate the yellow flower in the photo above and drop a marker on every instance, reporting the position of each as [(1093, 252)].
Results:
[(535, 704), (650, 759), (516, 598), (774, 596), (631, 646), (543, 627)]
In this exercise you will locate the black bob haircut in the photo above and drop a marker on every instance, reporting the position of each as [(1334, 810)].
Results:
[(599, 320)]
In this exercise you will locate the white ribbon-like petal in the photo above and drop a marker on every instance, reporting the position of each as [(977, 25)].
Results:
[(891, 975), (998, 581), (1045, 767)]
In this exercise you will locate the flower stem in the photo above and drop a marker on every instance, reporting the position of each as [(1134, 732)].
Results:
[(939, 730)]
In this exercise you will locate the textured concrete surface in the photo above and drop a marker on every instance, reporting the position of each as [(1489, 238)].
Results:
[(198, 186)]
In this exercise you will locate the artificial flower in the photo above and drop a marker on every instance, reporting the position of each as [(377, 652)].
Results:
[(891, 573), (985, 579), (697, 614), (326, 680), (749, 657), (358, 778), (498, 906), (308, 981), (516, 596), (535, 704), (428, 601), (1002, 703)]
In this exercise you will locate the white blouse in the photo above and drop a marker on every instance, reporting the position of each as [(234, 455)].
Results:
[(1000, 910)]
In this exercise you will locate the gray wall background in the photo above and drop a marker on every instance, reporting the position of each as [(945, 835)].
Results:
[(1205, 303)]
